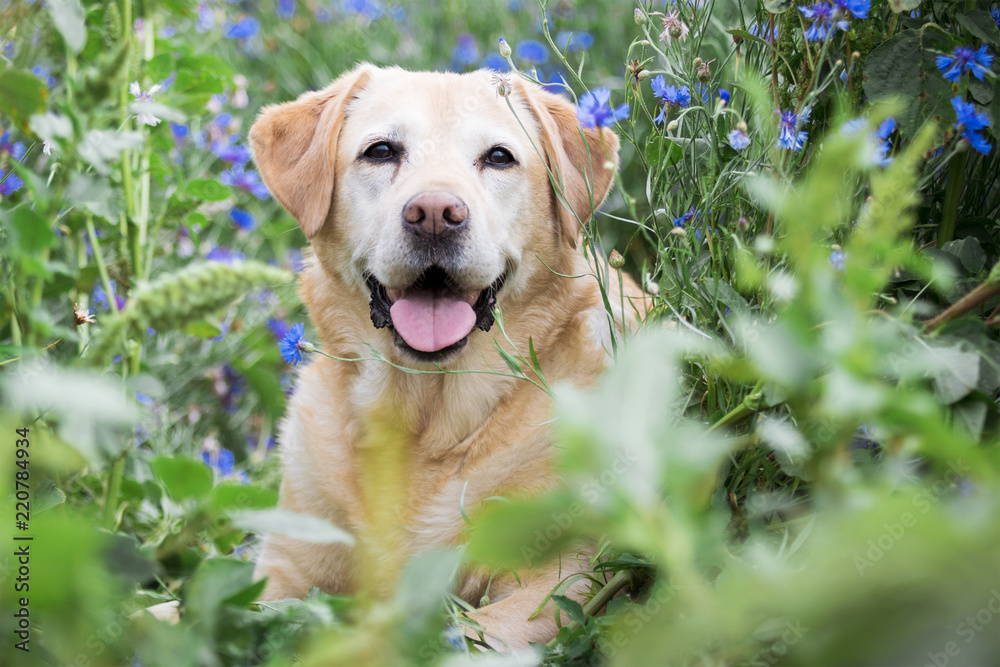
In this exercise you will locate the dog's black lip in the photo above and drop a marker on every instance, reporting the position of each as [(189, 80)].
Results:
[(483, 308)]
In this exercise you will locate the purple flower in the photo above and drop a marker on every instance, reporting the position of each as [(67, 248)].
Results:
[(856, 8), (245, 28), (242, 219), (167, 31), (42, 72), (576, 40), (238, 177), (278, 327), (690, 215), (14, 149), (220, 460), (371, 10), (231, 151), (224, 255), (764, 32), (9, 183), (964, 59), (738, 138), (822, 16), (532, 51), (595, 109), (670, 96), (465, 52), (100, 297), (293, 344), (838, 260), (285, 9), (969, 123), (789, 135), (206, 18)]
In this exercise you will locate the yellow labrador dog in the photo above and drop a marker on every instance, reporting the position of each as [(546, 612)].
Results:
[(428, 203)]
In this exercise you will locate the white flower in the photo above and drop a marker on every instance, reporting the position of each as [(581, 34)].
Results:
[(136, 92), (46, 148)]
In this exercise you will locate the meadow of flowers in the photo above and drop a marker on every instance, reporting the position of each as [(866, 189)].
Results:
[(797, 463)]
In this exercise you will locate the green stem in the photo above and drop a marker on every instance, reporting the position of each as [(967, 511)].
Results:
[(95, 246), (952, 194), (751, 404), (621, 579), (114, 490)]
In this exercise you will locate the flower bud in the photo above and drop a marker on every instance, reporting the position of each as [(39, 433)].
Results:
[(672, 126), (675, 31), (704, 73), (640, 18), (742, 223), (742, 127), (678, 231), (697, 63), (644, 74), (504, 48), (615, 260), (737, 40)]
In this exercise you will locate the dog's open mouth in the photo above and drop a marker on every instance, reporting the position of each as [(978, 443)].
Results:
[(434, 316)]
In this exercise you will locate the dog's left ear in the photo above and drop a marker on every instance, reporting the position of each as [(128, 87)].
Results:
[(295, 146), (582, 161)]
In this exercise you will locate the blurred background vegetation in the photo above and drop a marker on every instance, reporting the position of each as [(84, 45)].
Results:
[(797, 464)]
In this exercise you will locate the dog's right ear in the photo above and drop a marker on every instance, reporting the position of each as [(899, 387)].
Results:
[(295, 147)]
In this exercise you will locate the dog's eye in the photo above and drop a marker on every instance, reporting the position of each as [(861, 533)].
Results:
[(380, 151), (499, 157)]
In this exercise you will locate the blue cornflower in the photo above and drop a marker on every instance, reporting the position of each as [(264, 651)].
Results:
[(239, 177), (8, 49), (278, 327), (180, 133), (494, 60), (293, 344), (371, 10), (42, 72), (880, 137), (15, 149), (532, 51), (242, 219), (465, 52), (285, 9), (574, 40), (964, 59), (231, 151), (322, 14), (738, 138), (670, 96), (995, 13), (224, 255), (167, 31), (691, 214), (724, 96), (221, 461), (789, 135), (206, 18), (100, 297), (768, 34), (595, 109), (856, 8), (838, 260), (970, 123), (9, 183), (245, 28), (822, 16)]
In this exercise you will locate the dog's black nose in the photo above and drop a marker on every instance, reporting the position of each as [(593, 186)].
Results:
[(435, 215)]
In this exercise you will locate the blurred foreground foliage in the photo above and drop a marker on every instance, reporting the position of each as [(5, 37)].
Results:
[(796, 463)]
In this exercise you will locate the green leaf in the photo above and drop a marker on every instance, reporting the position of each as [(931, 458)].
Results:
[(183, 478), (34, 233), (955, 375), (202, 329), (96, 195), (229, 496), (778, 6), (219, 582), (22, 95), (524, 534), (903, 67), (157, 110), (51, 127), (160, 67), (69, 19), (102, 148), (290, 524), (572, 608), (662, 152), (207, 189), (969, 252), (903, 5), (981, 25)]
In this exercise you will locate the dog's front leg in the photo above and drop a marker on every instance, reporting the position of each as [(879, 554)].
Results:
[(505, 620)]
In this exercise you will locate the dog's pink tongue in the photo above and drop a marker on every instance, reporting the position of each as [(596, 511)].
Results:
[(430, 323)]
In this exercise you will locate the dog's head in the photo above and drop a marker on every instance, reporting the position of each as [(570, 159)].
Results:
[(431, 195)]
